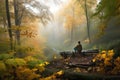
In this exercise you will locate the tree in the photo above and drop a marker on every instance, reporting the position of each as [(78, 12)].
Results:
[(87, 6), (73, 16), (87, 19), (17, 20), (3, 13), (25, 9), (9, 24), (107, 10), (23, 14)]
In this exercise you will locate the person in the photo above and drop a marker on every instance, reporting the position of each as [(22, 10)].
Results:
[(78, 48)]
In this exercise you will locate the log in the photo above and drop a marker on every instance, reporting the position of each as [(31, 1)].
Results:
[(88, 76), (66, 54), (70, 75), (85, 66)]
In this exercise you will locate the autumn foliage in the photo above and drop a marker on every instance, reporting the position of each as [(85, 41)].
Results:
[(106, 63), (27, 68)]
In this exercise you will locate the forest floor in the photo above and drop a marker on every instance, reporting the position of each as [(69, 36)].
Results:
[(77, 67)]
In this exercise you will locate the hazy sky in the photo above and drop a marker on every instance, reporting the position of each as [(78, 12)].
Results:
[(55, 7)]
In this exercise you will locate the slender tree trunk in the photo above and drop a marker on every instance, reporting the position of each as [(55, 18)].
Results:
[(88, 23), (4, 22), (72, 31), (17, 21), (9, 24)]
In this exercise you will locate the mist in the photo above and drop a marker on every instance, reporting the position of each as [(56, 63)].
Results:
[(58, 37)]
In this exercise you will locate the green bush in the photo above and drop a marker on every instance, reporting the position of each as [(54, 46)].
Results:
[(15, 62), (5, 56)]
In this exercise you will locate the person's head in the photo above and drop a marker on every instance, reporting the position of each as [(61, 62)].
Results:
[(78, 42)]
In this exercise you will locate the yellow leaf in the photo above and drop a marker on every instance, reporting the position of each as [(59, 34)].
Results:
[(60, 72), (46, 63), (34, 69), (104, 52), (103, 56)]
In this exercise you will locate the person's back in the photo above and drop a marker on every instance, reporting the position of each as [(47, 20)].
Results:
[(78, 48)]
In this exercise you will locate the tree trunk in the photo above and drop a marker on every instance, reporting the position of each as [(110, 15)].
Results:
[(9, 24), (88, 22), (72, 33), (17, 21), (4, 22), (72, 26)]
